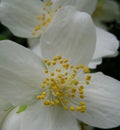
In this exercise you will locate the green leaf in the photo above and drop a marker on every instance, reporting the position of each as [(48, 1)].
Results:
[(22, 108), (2, 37)]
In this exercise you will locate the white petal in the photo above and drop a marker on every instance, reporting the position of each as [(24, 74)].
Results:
[(4, 109), (21, 73), (2, 116), (48, 118), (33, 42), (13, 120), (102, 98), (71, 35), (81, 5), (36, 50), (35, 45), (94, 63), (107, 10), (106, 46), (20, 16)]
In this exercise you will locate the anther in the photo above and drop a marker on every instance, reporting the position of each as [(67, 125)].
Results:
[(65, 60), (47, 102), (61, 61), (87, 82), (72, 108), (76, 82), (78, 108), (88, 77), (57, 101), (48, 63), (53, 62), (65, 107), (86, 70), (71, 66), (77, 67), (52, 103), (46, 71), (73, 90), (82, 96), (81, 92), (59, 57), (63, 84), (82, 103)]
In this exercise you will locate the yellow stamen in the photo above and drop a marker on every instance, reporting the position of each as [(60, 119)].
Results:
[(72, 108), (63, 84), (65, 107), (45, 18)]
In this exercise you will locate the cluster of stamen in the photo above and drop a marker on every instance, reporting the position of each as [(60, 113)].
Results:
[(63, 84), (45, 18)]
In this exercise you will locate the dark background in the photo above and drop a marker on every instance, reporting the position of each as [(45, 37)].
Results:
[(109, 66)]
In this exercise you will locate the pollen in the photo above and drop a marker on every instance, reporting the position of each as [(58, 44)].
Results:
[(45, 18), (46, 71), (72, 108), (52, 103), (64, 83), (47, 102), (88, 77), (78, 108), (52, 74), (65, 107), (73, 90)]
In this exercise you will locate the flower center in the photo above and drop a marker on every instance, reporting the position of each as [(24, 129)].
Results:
[(64, 84), (46, 17)]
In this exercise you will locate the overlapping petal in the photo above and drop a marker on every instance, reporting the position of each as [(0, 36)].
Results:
[(102, 98), (81, 5), (47, 118), (35, 45), (4, 109), (40, 117), (21, 73), (106, 10), (20, 15), (13, 120), (93, 64), (106, 46), (71, 35)]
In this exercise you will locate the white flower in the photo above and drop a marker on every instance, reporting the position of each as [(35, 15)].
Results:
[(31, 18), (22, 17), (106, 11), (106, 46), (58, 92)]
